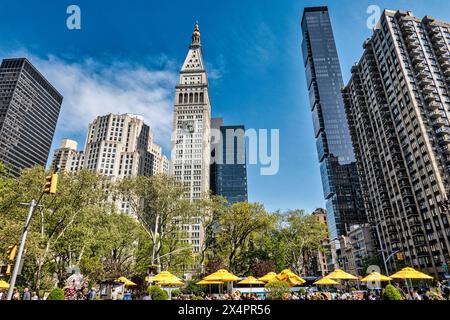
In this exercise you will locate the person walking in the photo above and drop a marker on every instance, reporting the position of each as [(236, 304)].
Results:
[(16, 295), (26, 294), (92, 294), (35, 296), (114, 294)]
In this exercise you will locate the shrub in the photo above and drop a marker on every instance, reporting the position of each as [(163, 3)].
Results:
[(56, 294), (176, 293), (193, 288), (157, 293), (391, 293), (277, 290), (319, 296), (434, 296), (302, 291), (196, 298)]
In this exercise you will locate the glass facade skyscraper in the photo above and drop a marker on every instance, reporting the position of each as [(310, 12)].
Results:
[(340, 180), (228, 173)]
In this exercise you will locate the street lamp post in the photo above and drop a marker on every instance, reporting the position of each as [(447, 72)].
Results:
[(12, 281), (381, 248)]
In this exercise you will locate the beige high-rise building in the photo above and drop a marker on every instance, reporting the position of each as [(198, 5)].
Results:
[(160, 161), (66, 158), (191, 132), (117, 146), (398, 108)]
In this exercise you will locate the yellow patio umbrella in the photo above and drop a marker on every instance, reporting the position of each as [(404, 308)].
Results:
[(251, 281), (126, 282), (325, 281), (376, 277), (339, 274), (165, 276), (170, 283), (222, 275), (210, 282), (410, 273), (4, 284), (291, 278), (206, 282), (268, 277)]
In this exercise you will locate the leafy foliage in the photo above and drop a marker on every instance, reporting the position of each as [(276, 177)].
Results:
[(56, 294), (277, 290), (391, 293), (157, 293)]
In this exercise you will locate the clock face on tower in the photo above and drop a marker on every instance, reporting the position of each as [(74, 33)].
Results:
[(188, 126)]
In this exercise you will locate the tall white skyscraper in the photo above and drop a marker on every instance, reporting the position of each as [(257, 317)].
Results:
[(191, 149)]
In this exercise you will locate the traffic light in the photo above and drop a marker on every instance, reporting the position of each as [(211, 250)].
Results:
[(50, 184), (400, 256), (11, 252), (5, 270)]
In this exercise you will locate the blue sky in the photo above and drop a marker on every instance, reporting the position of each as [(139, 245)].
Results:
[(127, 54)]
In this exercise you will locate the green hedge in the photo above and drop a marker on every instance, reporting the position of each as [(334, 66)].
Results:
[(157, 293), (56, 294), (391, 293)]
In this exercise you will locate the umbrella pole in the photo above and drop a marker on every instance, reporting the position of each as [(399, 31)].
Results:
[(407, 288)]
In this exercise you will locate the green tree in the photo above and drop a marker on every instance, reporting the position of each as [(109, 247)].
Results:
[(156, 293), (238, 224), (56, 235), (161, 207), (56, 294), (391, 293), (302, 235), (277, 290)]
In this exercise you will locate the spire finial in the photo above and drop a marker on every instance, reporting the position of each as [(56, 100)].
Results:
[(196, 35)]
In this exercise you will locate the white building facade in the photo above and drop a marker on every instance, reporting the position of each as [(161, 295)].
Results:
[(191, 148)]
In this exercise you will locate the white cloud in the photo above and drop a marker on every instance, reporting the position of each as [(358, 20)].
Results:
[(91, 89)]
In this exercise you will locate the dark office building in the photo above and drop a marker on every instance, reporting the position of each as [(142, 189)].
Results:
[(228, 174), (344, 203), (29, 110)]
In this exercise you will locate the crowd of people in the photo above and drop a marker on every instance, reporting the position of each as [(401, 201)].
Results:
[(442, 290), (17, 295)]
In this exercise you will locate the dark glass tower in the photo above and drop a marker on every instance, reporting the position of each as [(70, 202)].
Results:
[(228, 175), (334, 146), (29, 110)]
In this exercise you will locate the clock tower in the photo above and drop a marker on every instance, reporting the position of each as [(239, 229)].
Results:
[(191, 148)]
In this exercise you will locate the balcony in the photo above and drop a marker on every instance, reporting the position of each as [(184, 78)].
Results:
[(445, 149), (445, 64), (443, 131), (441, 50), (422, 74), (428, 89), (430, 98), (439, 122), (436, 114), (413, 45), (440, 43), (444, 58), (433, 105), (425, 82), (419, 65), (434, 31)]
